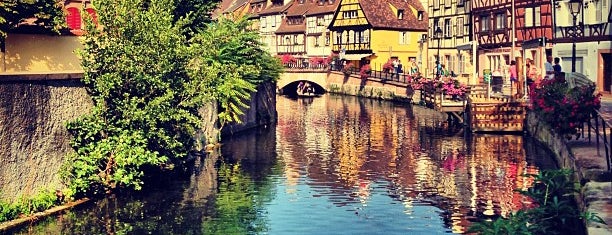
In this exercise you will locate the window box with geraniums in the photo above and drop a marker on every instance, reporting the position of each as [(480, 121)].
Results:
[(348, 68), (453, 88), (565, 109), (365, 71), (388, 67)]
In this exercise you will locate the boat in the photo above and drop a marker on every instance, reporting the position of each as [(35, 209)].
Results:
[(307, 94)]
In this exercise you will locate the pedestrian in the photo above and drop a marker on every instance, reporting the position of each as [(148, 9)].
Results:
[(513, 76), (438, 70), (414, 69), (550, 72), (557, 67), (395, 63), (399, 68)]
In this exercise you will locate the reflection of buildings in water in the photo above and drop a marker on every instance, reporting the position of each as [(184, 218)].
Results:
[(365, 143)]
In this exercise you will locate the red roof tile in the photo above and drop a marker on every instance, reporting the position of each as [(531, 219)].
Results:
[(380, 15), (285, 28), (275, 9), (326, 8)]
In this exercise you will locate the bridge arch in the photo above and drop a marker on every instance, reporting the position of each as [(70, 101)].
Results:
[(290, 79)]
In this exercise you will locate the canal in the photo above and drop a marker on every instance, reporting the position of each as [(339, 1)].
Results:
[(332, 165)]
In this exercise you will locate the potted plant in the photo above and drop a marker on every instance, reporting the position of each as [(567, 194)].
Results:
[(365, 71), (348, 68)]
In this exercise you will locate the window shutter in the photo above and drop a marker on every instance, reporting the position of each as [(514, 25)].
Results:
[(73, 18), (92, 13)]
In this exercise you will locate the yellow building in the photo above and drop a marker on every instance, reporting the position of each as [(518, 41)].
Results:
[(379, 30), (27, 49)]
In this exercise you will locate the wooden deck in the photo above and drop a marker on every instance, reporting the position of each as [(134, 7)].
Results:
[(477, 110)]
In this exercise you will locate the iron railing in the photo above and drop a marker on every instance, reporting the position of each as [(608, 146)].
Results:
[(602, 130)]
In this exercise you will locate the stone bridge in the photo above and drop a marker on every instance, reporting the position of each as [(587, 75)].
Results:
[(336, 82), (291, 77)]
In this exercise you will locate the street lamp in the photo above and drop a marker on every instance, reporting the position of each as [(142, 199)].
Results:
[(574, 6), (438, 34)]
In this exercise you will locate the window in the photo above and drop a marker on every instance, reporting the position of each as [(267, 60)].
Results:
[(532, 17), (404, 38), (400, 14), (316, 41), (420, 15), (461, 65), (460, 3), (460, 26), (484, 23), (500, 21), (448, 27), (320, 21), (327, 39), (349, 14), (436, 25), (272, 21), (92, 13), (295, 39), (301, 1)]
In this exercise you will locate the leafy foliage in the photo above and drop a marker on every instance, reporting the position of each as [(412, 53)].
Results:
[(148, 82), (556, 213), (25, 206), (47, 13)]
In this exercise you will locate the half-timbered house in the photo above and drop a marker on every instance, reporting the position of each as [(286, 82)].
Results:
[(592, 34), (270, 20), (378, 30), (318, 19), (450, 27), (291, 34), (506, 32)]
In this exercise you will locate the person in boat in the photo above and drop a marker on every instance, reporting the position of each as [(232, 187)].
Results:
[(300, 88)]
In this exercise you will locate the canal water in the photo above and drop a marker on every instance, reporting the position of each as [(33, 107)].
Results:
[(332, 165)]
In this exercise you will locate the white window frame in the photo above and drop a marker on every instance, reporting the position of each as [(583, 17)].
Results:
[(448, 27)]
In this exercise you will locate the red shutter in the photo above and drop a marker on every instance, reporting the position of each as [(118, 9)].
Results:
[(73, 18), (93, 15)]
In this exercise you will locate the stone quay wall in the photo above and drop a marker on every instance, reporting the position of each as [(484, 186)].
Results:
[(34, 141)]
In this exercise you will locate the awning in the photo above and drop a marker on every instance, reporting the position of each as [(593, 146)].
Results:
[(355, 56), (534, 43), (465, 47)]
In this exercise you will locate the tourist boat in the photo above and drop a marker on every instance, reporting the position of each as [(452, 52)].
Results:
[(307, 94)]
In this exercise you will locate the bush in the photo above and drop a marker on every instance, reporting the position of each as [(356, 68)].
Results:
[(365, 71), (555, 211), (563, 108)]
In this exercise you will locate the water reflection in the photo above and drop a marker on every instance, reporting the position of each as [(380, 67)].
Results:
[(332, 165)]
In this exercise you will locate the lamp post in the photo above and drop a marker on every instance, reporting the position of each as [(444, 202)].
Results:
[(438, 34), (574, 6)]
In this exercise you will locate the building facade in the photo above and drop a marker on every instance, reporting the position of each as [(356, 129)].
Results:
[(27, 49), (511, 30), (270, 20), (291, 34), (374, 31), (450, 28), (318, 36), (592, 35)]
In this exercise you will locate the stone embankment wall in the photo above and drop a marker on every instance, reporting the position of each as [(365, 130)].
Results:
[(340, 83), (261, 111), (33, 135), (34, 141)]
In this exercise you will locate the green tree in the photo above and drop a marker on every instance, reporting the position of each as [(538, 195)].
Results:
[(47, 14), (148, 81)]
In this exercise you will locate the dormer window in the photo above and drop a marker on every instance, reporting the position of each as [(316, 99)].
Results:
[(420, 15), (301, 1), (400, 14)]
